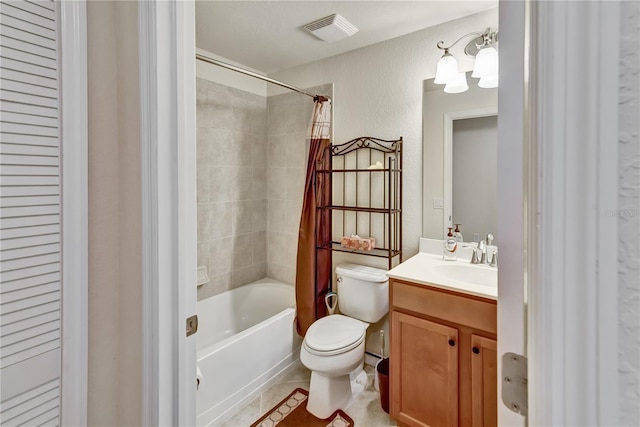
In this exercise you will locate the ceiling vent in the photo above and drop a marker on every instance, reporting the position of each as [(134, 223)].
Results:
[(332, 28)]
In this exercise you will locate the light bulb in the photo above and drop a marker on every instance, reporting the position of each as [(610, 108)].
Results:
[(457, 84), (446, 69)]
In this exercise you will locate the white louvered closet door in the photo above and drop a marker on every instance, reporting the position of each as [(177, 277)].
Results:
[(30, 227)]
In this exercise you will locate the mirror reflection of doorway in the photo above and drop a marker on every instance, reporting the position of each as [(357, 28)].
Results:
[(474, 177)]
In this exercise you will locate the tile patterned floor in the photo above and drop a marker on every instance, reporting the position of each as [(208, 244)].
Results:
[(366, 412)]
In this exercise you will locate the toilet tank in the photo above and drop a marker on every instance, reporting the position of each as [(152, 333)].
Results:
[(363, 292)]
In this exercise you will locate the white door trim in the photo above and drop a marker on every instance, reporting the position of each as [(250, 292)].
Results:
[(187, 207), (448, 155), (167, 82), (573, 316), (511, 229), (73, 108)]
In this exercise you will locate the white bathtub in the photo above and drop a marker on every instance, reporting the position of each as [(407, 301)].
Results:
[(246, 341)]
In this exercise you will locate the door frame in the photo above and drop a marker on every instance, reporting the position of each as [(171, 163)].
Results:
[(512, 314), (572, 309), (74, 208), (167, 85), (571, 183)]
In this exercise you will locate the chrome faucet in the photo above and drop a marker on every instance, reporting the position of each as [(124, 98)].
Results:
[(489, 239), (482, 248)]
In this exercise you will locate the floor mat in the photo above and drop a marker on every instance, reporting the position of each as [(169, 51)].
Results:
[(292, 412)]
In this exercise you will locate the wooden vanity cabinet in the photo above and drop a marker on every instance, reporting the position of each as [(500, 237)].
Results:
[(443, 359)]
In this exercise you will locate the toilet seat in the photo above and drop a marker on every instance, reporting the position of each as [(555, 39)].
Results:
[(333, 335)]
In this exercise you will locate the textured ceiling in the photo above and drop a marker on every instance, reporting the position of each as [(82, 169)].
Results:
[(268, 35)]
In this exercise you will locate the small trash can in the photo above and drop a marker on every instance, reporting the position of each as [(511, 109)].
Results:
[(382, 369)]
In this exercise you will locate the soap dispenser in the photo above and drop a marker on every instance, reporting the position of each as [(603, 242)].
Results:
[(450, 247), (457, 234)]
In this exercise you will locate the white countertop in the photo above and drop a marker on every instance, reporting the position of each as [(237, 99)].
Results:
[(425, 268)]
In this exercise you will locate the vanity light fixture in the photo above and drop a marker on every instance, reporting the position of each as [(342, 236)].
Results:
[(482, 47)]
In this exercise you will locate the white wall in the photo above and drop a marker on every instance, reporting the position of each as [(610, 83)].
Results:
[(436, 104), (629, 215), (378, 92)]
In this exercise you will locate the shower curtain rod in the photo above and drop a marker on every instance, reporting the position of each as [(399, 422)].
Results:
[(256, 75)]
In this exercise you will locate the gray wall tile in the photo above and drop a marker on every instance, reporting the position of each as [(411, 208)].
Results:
[(221, 219), (296, 152), (232, 185), (216, 285), (288, 117), (259, 248), (220, 256), (221, 183), (295, 180), (204, 223), (276, 183), (252, 155), (260, 215), (259, 183), (202, 183), (242, 251), (281, 273), (242, 217), (242, 276), (221, 146), (259, 152), (240, 185), (277, 212)]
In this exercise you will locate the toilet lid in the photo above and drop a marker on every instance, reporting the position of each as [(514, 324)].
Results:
[(334, 334)]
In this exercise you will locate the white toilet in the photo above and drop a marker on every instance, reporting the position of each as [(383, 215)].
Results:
[(333, 347)]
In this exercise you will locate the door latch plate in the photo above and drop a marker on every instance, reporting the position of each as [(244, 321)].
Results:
[(192, 325)]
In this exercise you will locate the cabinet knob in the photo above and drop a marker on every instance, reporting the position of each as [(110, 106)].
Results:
[(452, 343), (475, 350)]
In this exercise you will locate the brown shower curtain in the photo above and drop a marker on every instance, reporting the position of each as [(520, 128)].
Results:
[(313, 269)]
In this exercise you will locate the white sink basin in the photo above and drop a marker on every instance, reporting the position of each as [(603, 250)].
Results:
[(468, 273), (428, 268)]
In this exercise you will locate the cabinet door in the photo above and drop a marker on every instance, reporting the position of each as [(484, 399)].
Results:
[(484, 382), (424, 372)]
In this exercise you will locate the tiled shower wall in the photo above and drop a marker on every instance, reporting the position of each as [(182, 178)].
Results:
[(232, 191), (252, 159), (288, 117)]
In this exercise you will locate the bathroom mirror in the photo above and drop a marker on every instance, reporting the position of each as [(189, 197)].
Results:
[(459, 161)]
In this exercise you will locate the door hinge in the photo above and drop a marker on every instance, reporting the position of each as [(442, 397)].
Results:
[(514, 383), (192, 325)]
